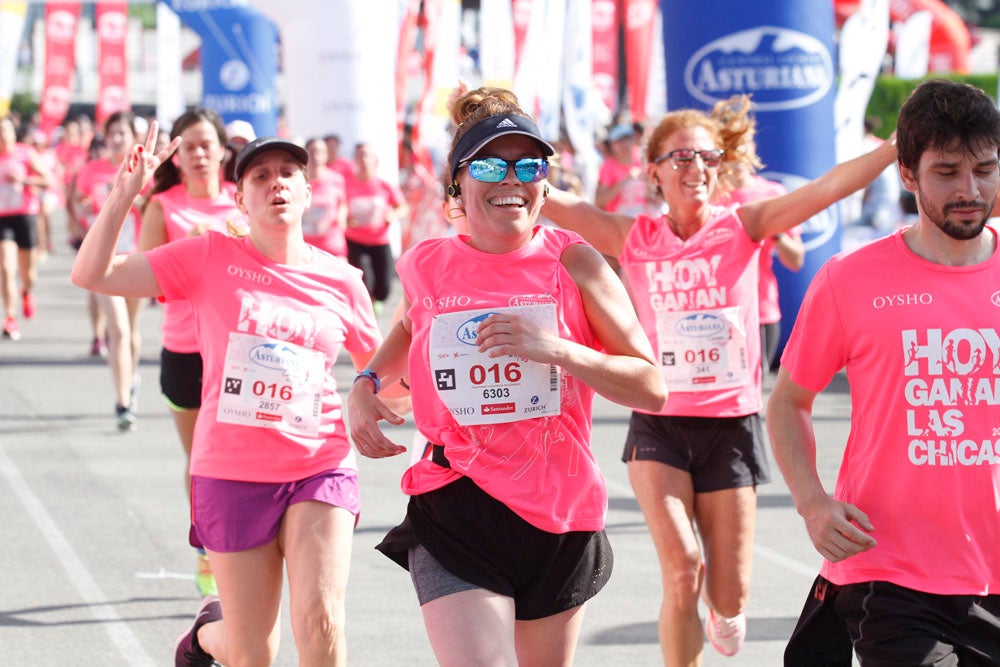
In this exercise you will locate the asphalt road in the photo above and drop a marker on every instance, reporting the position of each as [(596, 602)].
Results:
[(95, 568)]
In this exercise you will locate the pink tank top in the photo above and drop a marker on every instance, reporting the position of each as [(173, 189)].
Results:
[(182, 213), (499, 419), (761, 188), (697, 302)]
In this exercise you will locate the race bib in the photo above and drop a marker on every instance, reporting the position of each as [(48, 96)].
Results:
[(478, 389), (703, 350), (314, 220), (11, 196), (271, 384)]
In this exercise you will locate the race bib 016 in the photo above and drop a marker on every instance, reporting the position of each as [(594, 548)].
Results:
[(478, 389)]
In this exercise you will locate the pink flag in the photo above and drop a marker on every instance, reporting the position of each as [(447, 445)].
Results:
[(61, 20), (604, 29), (111, 17), (522, 18), (639, 29)]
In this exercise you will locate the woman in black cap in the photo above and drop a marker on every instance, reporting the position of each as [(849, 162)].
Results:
[(507, 332), (274, 478)]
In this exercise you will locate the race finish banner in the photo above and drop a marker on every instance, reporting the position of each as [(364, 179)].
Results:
[(239, 60), (781, 53)]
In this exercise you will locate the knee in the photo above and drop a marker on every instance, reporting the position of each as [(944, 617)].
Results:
[(320, 628), (728, 595), (681, 583)]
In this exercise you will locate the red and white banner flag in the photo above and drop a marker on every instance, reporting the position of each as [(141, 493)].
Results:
[(111, 17), (430, 22), (405, 54), (521, 11), (640, 17), (604, 29), (61, 21)]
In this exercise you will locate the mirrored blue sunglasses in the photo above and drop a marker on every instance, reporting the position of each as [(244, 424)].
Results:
[(494, 169)]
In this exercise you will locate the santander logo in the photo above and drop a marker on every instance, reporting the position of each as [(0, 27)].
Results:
[(782, 68)]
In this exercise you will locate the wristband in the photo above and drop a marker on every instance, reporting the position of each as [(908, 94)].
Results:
[(370, 375)]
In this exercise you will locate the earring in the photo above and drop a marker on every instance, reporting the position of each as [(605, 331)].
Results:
[(454, 190), (545, 191), (458, 200), (456, 212)]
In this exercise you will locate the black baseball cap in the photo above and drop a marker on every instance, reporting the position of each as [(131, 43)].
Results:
[(489, 129), (262, 144)]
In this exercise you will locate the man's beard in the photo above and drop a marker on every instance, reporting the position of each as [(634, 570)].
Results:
[(960, 231)]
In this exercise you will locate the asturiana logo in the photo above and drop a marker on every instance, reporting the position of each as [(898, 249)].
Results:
[(782, 68), (700, 325), (275, 355), (468, 331)]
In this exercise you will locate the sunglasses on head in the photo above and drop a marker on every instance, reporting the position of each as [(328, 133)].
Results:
[(494, 169), (684, 157)]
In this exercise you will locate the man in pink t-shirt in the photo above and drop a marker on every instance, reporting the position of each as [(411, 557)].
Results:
[(911, 533)]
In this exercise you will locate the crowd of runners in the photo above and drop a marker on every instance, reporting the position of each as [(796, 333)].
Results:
[(522, 298)]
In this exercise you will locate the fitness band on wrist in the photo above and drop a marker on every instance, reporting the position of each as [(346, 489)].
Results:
[(370, 375)]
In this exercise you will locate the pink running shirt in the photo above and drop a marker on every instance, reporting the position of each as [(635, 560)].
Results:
[(697, 302), (182, 213), (368, 203), (540, 467), (275, 314), (631, 199), (921, 345), (17, 198), (319, 223), (94, 182)]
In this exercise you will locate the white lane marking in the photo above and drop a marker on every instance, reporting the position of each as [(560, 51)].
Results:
[(100, 607), (163, 574)]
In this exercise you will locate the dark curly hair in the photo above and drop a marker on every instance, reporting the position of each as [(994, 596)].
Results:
[(946, 115)]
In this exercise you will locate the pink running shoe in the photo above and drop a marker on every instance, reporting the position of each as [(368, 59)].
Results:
[(10, 329), (726, 634), (28, 305)]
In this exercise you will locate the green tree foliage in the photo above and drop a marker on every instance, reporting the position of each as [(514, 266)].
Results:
[(890, 93)]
